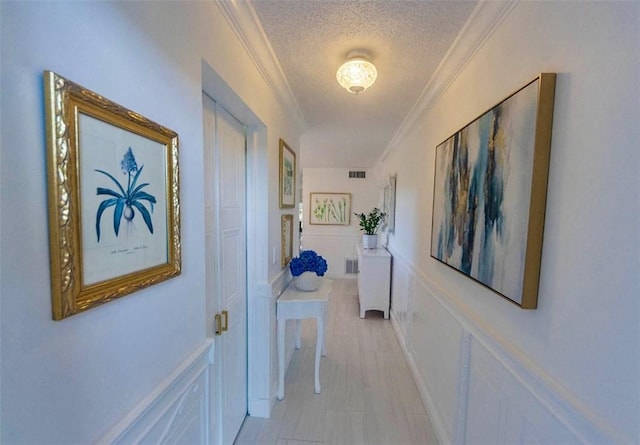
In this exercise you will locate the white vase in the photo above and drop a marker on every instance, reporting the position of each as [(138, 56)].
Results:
[(307, 281), (370, 241)]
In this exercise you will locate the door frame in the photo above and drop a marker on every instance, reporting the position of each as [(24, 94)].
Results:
[(260, 335)]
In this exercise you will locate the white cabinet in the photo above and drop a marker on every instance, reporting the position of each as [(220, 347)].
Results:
[(374, 280)]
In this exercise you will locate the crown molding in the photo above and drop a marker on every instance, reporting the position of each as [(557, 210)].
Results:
[(244, 22), (483, 21)]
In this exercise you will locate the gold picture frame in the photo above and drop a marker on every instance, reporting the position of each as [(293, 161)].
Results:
[(107, 165), (286, 248), (490, 188), (287, 176)]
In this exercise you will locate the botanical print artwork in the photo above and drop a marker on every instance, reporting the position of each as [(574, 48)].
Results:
[(482, 195), (330, 208), (125, 201), (114, 224), (287, 175), (287, 178)]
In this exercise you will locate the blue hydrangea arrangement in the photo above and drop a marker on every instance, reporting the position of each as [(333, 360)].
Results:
[(308, 261)]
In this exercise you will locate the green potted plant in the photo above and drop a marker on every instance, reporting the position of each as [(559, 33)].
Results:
[(370, 224)]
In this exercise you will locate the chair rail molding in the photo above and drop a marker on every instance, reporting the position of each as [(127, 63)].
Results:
[(526, 388), (178, 408)]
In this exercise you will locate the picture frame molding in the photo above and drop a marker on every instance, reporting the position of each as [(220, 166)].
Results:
[(65, 102)]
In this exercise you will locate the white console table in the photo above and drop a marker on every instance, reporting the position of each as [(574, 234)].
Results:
[(374, 280), (294, 304)]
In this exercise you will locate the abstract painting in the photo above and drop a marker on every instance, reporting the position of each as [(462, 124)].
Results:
[(490, 193)]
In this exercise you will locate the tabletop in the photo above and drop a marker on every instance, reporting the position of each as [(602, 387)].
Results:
[(291, 293)]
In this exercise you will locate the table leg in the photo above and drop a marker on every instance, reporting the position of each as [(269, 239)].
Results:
[(298, 334), (281, 333), (324, 340), (319, 343)]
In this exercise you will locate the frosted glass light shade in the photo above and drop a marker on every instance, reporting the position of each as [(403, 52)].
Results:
[(356, 75)]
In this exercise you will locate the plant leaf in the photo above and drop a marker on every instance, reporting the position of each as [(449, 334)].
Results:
[(113, 179), (133, 184), (145, 214), (137, 189), (117, 215), (143, 196), (106, 191), (101, 208)]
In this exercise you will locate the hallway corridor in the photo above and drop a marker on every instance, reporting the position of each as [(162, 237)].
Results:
[(368, 394)]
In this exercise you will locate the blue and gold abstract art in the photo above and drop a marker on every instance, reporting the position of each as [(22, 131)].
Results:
[(485, 175)]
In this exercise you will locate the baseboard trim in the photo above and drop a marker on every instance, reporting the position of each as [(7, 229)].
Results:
[(429, 404)]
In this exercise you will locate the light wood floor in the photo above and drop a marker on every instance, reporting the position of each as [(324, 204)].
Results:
[(368, 394)]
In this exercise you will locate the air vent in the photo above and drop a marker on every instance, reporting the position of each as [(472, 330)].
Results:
[(357, 175), (351, 267)]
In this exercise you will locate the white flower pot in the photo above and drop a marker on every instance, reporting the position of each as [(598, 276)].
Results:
[(307, 281), (370, 241)]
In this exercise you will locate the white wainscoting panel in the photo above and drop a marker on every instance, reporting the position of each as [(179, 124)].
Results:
[(477, 390), (177, 411), (436, 353), (502, 410), (400, 288)]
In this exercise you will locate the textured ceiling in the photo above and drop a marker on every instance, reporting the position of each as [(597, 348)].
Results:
[(311, 38)]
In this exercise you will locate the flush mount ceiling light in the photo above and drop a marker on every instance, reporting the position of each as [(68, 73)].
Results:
[(357, 73)]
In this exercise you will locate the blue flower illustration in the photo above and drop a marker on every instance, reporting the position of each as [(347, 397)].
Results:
[(125, 200), (308, 261)]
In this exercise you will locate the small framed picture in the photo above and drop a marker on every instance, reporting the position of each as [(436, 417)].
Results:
[(286, 251), (333, 209), (287, 176)]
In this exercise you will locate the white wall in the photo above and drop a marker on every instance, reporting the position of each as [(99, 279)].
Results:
[(337, 243), (71, 381), (569, 370)]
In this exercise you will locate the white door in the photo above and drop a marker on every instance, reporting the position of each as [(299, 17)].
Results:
[(225, 219)]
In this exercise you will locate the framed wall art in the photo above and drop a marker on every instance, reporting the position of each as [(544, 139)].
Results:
[(391, 204), (287, 176), (490, 190), (330, 209), (114, 212), (286, 251)]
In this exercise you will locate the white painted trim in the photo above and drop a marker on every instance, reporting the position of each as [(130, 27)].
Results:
[(464, 363), (483, 21), (433, 413), (260, 334), (244, 21), (262, 407), (167, 396), (280, 282), (578, 418)]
